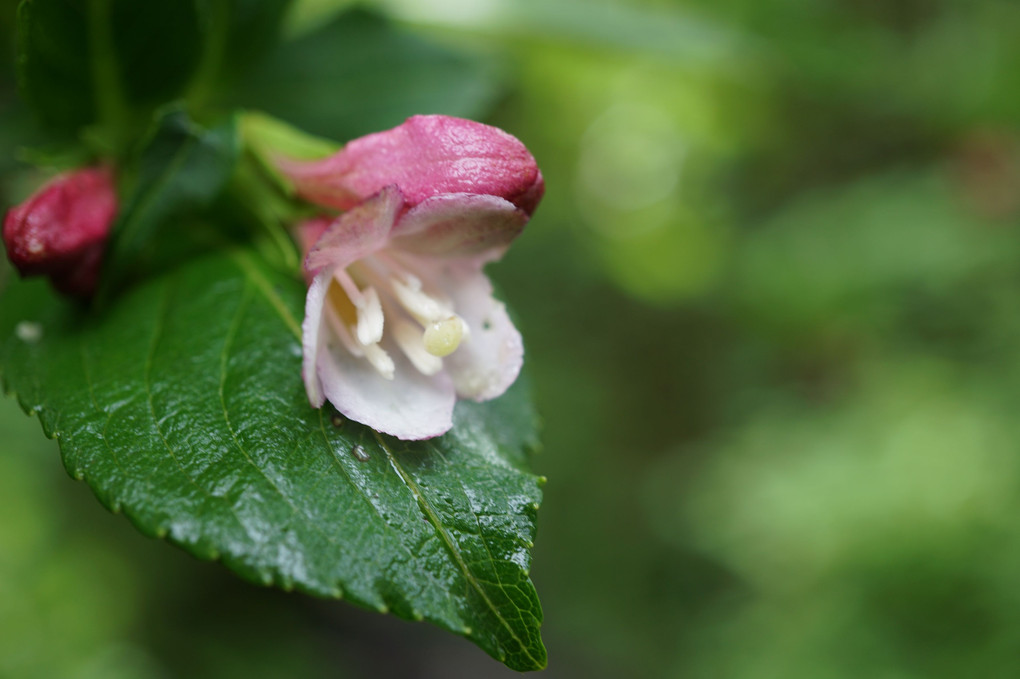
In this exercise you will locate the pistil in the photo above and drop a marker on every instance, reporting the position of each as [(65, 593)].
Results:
[(441, 338)]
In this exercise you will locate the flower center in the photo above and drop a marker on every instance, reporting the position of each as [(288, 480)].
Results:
[(378, 293)]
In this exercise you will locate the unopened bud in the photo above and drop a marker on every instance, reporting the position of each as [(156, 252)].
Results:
[(61, 230)]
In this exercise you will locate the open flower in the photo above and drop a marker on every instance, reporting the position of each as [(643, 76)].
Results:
[(61, 230), (400, 319)]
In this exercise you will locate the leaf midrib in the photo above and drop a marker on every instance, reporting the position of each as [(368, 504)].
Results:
[(451, 545)]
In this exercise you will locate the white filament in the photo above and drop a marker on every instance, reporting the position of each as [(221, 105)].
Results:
[(439, 331), (409, 337)]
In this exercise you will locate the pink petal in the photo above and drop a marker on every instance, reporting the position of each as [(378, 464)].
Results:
[(489, 360), (411, 406), (358, 232), (460, 225), (307, 234), (425, 156)]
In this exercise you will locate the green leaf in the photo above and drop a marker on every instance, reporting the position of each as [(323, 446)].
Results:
[(358, 74), (182, 406), (112, 62), (54, 68), (238, 34), (251, 28), (183, 168), (87, 61)]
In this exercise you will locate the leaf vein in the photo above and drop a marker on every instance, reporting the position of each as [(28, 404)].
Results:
[(95, 405), (228, 341), (149, 359)]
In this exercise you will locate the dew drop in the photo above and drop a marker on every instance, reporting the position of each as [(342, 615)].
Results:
[(337, 420), (360, 453), (29, 332)]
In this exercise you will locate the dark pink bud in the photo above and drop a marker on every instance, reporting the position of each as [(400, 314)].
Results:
[(426, 156), (61, 230)]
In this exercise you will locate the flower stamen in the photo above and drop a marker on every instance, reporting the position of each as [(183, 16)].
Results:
[(443, 329), (369, 310), (380, 360), (409, 338), (357, 318), (442, 338)]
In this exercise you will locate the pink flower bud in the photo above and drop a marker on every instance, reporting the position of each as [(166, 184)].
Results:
[(400, 319), (61, 230), (425, 156)]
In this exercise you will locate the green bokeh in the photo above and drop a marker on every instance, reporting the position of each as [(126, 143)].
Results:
[(770, 306)]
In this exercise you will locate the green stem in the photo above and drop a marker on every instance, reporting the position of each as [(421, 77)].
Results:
[(110, 102), (204, 81)]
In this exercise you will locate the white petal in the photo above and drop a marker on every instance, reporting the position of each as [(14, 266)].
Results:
[(314, 333), (410, 406), (489, 359)]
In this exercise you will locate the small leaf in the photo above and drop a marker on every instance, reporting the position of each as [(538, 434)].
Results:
[(358, 75), (183, 168), (54, 66), (182, 406)]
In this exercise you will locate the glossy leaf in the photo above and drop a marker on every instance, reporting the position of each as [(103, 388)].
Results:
[(181, 405), (359, 74)]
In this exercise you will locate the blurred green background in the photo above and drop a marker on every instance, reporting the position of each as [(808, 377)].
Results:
[(772, 309)]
